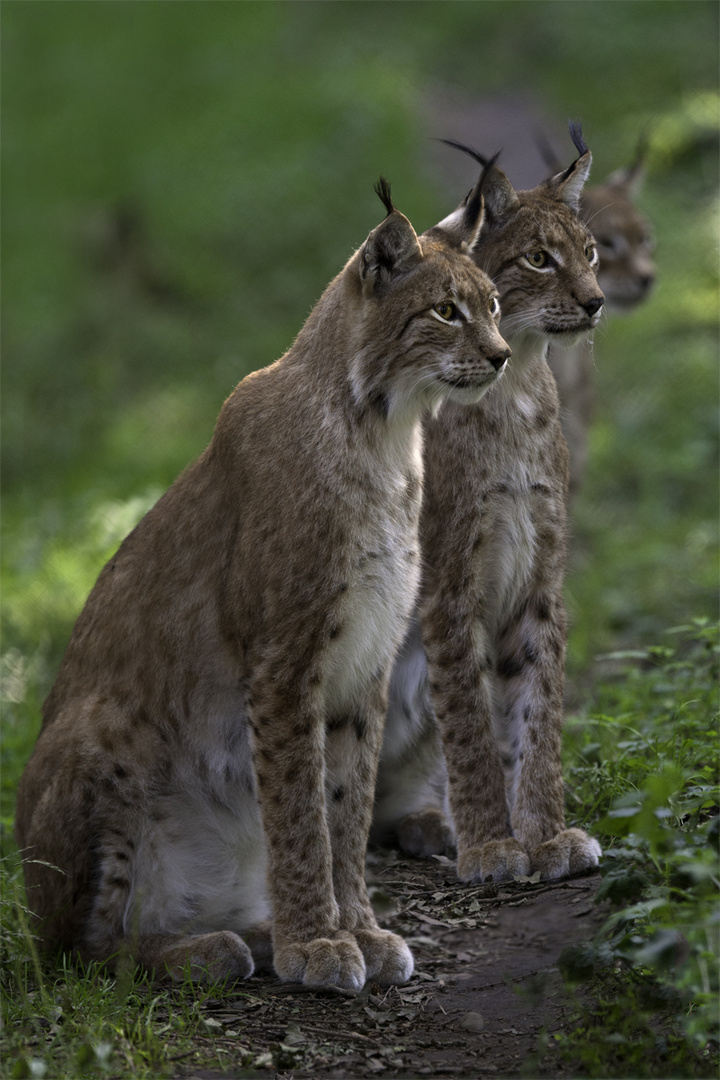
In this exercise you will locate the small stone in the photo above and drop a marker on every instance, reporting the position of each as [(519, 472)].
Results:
[(472, 1021)]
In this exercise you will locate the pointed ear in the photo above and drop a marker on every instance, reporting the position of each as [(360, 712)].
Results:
[(491, 200), (630, 179), (501, 202), (390, 249), (567, 186)]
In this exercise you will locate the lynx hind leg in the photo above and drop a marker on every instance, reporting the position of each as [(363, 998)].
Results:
[(497, 860), (411, 796), (204, 958), (571, 851), (429, 832)]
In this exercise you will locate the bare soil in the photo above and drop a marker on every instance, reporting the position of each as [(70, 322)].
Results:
[(486, 993)]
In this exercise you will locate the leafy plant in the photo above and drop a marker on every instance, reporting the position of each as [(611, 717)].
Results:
[(653, 977)]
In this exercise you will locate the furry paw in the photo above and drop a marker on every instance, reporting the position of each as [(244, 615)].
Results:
[(335, 961), (497, 860), (570, 852), (204, 957), (388, 961), (426, 833)]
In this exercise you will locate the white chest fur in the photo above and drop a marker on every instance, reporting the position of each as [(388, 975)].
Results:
[(384, 579)]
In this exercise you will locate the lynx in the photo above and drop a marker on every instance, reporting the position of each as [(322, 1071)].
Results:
[(491, 615), (209, 748), (626, 275)]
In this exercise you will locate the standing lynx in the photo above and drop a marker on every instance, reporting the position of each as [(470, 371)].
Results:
[(491, 612), (626, 275), (217, 718)]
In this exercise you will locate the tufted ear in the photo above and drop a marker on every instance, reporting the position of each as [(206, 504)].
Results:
[(567, 186), (492, 199), (391, 249), (630, 179), (501, 202)]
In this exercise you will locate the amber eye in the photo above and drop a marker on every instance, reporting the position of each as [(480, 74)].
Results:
[(446, 310), (494, 307), (591, 253), (537, 258)]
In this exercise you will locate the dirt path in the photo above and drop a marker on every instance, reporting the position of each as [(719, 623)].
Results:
[(485, 985)]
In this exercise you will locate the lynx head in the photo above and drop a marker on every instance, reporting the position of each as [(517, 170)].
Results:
[(538, 252), (428, 317), (627, 270)]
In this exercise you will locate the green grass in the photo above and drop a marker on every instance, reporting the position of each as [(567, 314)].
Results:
[(180, 183), (643, 767)]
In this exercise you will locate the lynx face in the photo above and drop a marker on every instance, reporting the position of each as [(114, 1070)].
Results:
[(543, 263), (627, 271), (440, 322), (541, 256), (454, 329)]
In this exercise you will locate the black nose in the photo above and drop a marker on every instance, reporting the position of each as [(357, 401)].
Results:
[(499, 358), (594, 305)]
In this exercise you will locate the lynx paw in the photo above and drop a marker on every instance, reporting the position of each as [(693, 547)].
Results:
[(570, 852), (335, 961), (426, 833), (497, 860), (205, 957), (388, 961)]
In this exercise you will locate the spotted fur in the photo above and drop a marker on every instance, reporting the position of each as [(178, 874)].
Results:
[(493, 542), (218, 715)]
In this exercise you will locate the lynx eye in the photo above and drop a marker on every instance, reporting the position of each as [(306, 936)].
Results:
[(494, 307), (537, 258), (446, 310), (591, 253)]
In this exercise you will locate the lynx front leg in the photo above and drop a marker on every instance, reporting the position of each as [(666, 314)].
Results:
[(353, 749), (460, 682), (288, 749), (530, 671)]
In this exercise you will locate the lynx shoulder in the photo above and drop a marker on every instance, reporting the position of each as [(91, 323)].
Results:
[(218, 714), (491, 612), (626, 275)]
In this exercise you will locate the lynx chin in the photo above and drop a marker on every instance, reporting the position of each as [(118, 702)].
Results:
[(201, 792)]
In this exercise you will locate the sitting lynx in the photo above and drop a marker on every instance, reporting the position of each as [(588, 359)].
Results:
[(493, 543), (219, 710), (626, 275)]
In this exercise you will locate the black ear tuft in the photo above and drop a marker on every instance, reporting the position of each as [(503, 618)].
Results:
[(480, 158), (382, 190), (575, 129)]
